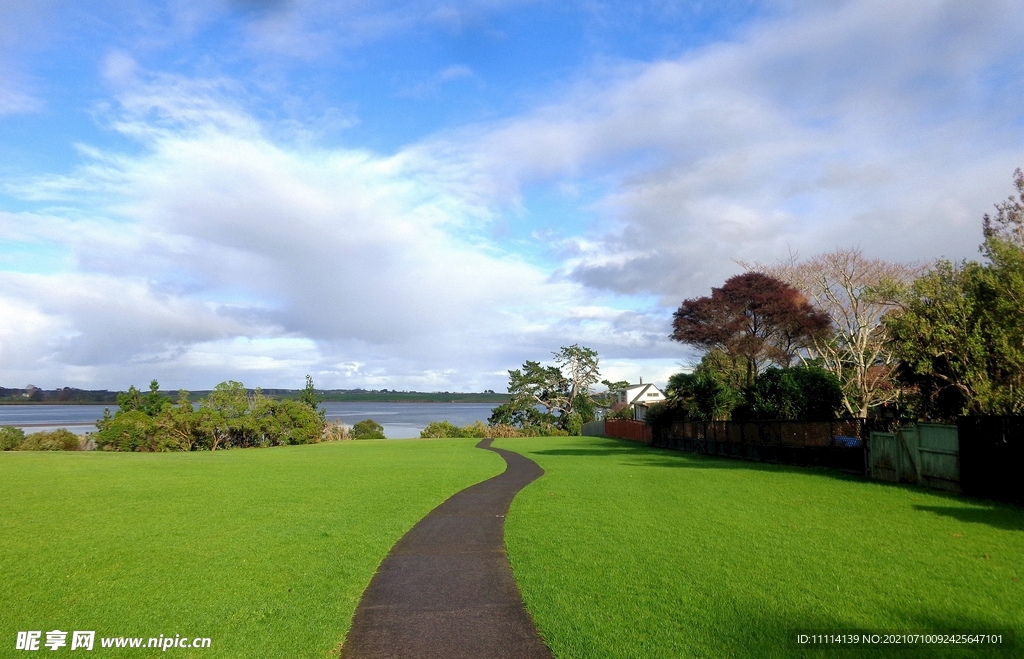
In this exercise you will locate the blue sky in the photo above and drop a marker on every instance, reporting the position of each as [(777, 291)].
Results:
[(424, 194)]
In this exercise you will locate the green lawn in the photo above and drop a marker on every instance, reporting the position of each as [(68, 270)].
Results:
[(625, 551), (265, 551)]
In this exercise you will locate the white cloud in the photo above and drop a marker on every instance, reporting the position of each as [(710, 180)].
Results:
[(889, 125), (16, 101), (218, 251), (221, 252)]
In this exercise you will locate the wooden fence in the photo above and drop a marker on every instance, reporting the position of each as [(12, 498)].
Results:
[(920, 453), (836, 444), (992, 457), (980, 456), (638, 431)]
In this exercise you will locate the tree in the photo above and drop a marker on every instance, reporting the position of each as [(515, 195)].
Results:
[(129, 401), (753, 319), (126, 431), (701, 396), (297, 423), (368, 429), (522, 413), (563, 388), (855, 292), (149, 403), (230, 416), (1008, 224), (312, 398), (958, 333), (959, 336), (153, 401), (804, 393), (181, 425)]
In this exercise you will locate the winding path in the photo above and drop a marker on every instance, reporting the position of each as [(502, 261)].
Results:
[(446, 590)]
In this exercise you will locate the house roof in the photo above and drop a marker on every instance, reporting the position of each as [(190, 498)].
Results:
[(636, 391)]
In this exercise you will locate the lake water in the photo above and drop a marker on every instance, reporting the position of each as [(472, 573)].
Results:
[(400, 420)]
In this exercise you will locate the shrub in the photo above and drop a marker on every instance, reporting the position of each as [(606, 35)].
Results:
[(436, 429), (661, 416), (543, 430), (806, 393), (503, 430), (336, 431), (574, 424), (477, 429), (368, 429), (61, 439), (127, 431), (11, 438), (297, 422)]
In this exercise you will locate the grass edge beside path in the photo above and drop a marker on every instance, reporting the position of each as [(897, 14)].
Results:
[(621, 550), (266, 551)]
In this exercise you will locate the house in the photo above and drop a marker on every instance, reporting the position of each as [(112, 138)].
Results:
[(639, 396)]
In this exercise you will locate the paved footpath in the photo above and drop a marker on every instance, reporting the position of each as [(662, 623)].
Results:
[(446, 589)]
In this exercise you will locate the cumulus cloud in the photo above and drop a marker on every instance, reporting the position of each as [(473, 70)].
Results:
[(890, 125), (218, 249), (213, 249)]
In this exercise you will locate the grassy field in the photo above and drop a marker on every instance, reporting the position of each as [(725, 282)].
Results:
[(625, 551), (265, 551)]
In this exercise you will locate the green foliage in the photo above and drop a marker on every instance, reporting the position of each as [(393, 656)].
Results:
[(574, 424), (127, 431), (559, 389), (297, 423), (229, 417), (805, 393), (959, 336), (228, 399), (728, 370), (312, 398), (522, 414), (129, 401), (149, 403), (61, 439), (368, 429), (446, 429), (821, 393), (585, 407), (11, 438), (701, 396), (437, 429)]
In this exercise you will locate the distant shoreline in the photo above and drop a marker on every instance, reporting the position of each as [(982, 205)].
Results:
[(329, 397)]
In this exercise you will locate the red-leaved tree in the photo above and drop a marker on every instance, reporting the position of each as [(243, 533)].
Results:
[(753, 318)]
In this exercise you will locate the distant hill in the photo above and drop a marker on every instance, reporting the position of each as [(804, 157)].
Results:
[(341, 396), (65, 396), (71, 396)]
